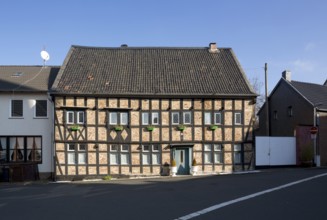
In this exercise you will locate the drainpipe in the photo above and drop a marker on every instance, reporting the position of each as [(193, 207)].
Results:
[(316, 156)]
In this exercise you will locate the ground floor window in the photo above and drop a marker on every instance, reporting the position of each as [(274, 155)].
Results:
[(213, 153), (21, 149), (237, 153), (76, 153), (119, 154), (151, 154)]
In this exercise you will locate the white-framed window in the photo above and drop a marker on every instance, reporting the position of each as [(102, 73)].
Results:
[(217, 118), (155, 118), (175, 118), (238, 118), (119, 154), (80, 117), (16, 108), (81, 154), (113, 118), (70, 117), (41, 108), (76, 153), (123, 118), (207, 118), (237, 153), (151, 154), (118, 118), (145, 118), (207, 153), (71, 154), (213, 153), (187, 117), (218, 153)]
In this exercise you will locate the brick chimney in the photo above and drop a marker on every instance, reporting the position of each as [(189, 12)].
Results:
[(286, 74), (213, 48)]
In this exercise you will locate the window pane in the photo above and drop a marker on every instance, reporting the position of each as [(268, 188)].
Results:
[(124, 147), (237, 147), (82, 147), (207, 157), (81, 158), (17, 108), (155, 159), (207, 147), (218, 158), (155, 118), (114, 147), (113, 118), (175, 117), (71, 158), (187, 117), (146, 148), (123, 118), (71, 147), (237, 157), (238, 118), (124, 158), (70, 117), (80, 117), (145, 118), (146, 159), (155, 147), (207, 118), (113, 158), (217, 118), (217, 147), (3, 149), (41, 108)]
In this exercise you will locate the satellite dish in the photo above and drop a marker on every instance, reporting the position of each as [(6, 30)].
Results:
[(45, 55)]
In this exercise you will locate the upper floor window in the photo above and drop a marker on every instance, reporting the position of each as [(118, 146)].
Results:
[(41, 108), (16, 108), (216, 118), (154, 118), (238, 118), (175, 117), (73, 117), (120, 118), (185, 118)]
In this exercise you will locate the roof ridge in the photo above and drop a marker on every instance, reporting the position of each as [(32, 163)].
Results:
[(145, 47)]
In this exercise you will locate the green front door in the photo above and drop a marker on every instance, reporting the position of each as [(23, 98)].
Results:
[(182, 161)]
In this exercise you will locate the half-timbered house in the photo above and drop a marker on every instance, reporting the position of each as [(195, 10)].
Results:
[(131, 110)]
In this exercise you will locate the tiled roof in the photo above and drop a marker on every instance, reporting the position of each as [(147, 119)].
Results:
[(152, 71), (314, 93), (27, 78)]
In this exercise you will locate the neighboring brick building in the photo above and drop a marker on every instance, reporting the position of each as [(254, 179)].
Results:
[(106, 99), (294, 108)]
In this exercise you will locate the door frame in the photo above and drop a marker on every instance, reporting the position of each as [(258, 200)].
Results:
[(189, 149)]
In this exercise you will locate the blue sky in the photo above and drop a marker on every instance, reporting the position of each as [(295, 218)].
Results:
[(286, 34)]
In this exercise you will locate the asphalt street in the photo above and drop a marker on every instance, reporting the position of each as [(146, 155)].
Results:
[(268, 194)]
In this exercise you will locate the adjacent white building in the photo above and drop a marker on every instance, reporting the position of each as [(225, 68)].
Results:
[(26, 115)]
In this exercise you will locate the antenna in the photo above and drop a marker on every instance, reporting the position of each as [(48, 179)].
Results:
[(45, 56)]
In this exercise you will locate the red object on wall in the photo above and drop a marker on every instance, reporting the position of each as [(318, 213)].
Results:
[(314, 130)]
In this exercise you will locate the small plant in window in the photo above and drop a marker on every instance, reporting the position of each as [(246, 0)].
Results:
[(118, 128), (213, 127), (181, 127), (75, 128), (150, 128)]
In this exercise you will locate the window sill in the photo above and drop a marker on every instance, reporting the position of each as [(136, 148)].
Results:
[(16, 117), (40, 117)]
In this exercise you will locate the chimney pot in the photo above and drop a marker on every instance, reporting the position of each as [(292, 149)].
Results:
[(286, 74), (213, 48)]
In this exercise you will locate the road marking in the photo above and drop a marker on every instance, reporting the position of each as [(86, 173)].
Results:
[(221, 205)]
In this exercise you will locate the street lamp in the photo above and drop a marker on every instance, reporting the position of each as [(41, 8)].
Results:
[(316, 157)]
